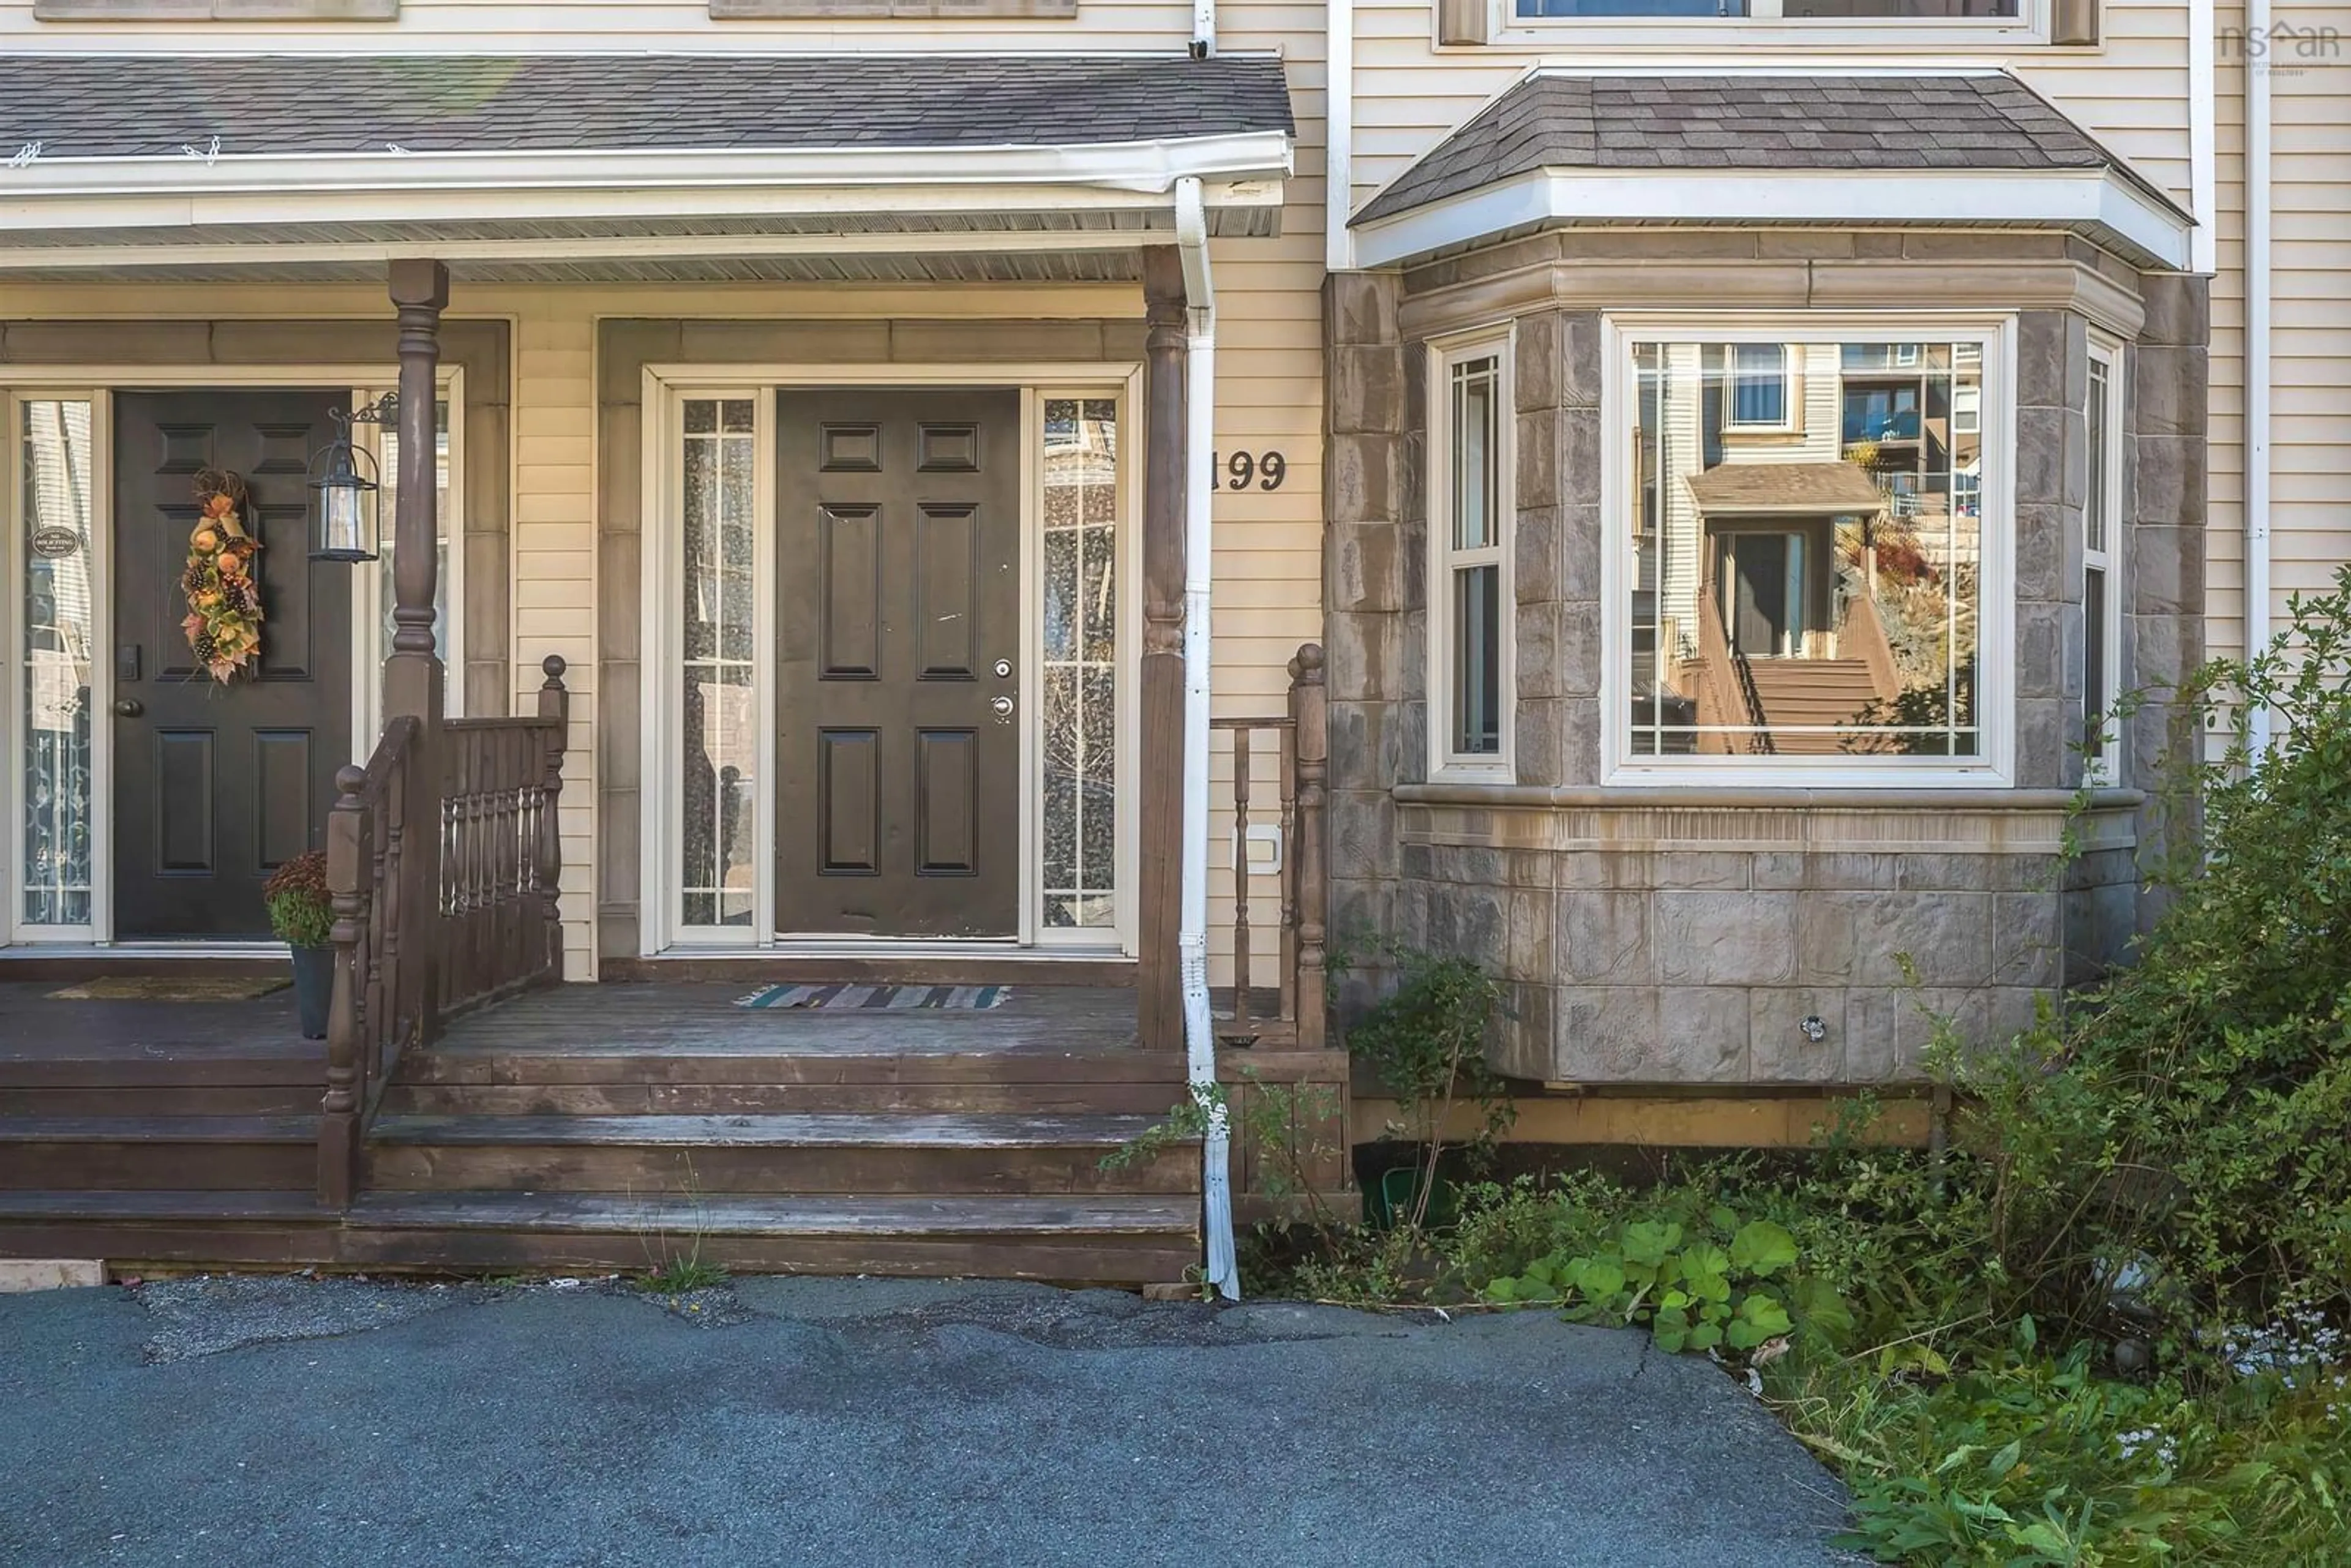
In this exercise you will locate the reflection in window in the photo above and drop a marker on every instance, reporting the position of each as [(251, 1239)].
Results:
[(721, 722), (55, 522), (1817, 595), (1473, 555), (1080, 618), (1759, 385)]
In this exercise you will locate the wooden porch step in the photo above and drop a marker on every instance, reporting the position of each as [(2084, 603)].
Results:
[(731, 1097), (1108, 1239), (129, 1152), (841, 1153)]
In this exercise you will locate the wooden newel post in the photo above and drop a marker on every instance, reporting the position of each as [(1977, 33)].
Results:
[(1309, 713), (555, 707), (1159, 882), (412, 676), (349, 862)]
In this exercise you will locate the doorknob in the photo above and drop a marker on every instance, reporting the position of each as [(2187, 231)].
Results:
[(129, 708), (1002, 706)]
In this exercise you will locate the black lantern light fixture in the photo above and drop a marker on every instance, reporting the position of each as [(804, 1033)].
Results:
[(345, 493)]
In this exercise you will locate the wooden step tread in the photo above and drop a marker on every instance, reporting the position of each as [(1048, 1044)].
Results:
[(704, 1064), (159, 1129), (1116, 1214), (843, 1130)]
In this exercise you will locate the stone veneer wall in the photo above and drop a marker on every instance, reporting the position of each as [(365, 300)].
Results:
[(1706, 933)]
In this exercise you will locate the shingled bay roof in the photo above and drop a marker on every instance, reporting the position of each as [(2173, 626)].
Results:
[(129, 106), (1825, 488), (1822, 123)]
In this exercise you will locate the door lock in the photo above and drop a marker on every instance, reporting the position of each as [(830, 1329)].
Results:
[(1003, 669), (1002, 707)]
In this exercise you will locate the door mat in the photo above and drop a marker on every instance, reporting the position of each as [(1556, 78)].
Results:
[(879, 999), (168, 989)]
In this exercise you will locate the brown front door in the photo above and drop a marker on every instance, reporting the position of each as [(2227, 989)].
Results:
[(216, 786), (898, 636)]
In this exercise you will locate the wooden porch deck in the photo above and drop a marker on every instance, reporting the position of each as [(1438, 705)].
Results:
[(606, 1126)]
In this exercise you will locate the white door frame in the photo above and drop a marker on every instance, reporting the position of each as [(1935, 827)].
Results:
[(661, 852), (97, 384)]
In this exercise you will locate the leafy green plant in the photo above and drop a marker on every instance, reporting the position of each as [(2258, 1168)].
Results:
[(1286, 1125), (301, 910), (1426, 1040), (680, 1275)]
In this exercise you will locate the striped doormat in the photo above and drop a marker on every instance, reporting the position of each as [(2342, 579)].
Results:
[(879, 999)]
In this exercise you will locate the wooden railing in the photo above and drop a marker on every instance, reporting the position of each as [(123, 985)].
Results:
[(1726, 684), (1300, 739), (421, 938)]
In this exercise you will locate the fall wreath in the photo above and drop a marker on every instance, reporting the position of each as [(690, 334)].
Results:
[(224, 623)]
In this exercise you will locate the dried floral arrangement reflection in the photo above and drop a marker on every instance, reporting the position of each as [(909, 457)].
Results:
[(224, 623)]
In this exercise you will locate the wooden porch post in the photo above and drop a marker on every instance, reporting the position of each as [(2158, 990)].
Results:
[(1159, 1001), (412, 676)]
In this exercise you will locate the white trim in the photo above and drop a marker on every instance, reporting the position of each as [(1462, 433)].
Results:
[(1339, 133), (1771, 30), (2203, 118), (660, 928), (1996, 587), (2107, 771), (2100, 200), (1445, 356), (98, 383), (1147, 167)]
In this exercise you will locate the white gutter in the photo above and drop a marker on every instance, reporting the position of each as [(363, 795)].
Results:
[(1339, 134), (1192, 931), (2203, 114), (2257, 348)]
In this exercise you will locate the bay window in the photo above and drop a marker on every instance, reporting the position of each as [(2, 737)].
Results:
[(1470, 515), (1822, 605)]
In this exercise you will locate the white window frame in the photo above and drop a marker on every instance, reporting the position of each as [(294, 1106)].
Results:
[(1996, 583), (97, 382), (2108, 769), (1445, 355), (1791, 394), (1677, 37), (663, 391)]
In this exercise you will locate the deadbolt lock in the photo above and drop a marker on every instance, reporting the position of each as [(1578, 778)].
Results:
[(1003, 669)]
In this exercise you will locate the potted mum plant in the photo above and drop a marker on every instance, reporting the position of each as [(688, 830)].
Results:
[(303, 916)]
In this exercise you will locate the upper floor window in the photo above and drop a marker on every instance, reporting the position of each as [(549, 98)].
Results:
[(1472, 505), (1823, 603), (1772, 10)]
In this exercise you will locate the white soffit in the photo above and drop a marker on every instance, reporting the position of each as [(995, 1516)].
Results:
[(2097, 201)]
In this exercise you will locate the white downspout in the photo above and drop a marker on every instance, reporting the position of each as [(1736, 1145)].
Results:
[(1192, 929), (1339, 134), (2257, 348), (1204, 28)]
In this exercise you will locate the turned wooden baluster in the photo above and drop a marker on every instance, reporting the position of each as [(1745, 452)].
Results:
[(555, 707), (348, 866), (1310, 716)]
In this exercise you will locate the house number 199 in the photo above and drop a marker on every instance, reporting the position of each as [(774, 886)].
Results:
[(1267, 469)]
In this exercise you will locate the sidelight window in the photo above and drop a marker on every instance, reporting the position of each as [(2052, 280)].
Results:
[(1823, 603), (1472, 620), (57, 617), (1078, 622), (718, 466), (2102, 535)]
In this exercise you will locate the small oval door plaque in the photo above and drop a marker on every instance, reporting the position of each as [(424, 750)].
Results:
[(56, 542)]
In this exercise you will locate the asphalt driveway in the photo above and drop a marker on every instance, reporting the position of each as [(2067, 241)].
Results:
[(269, 1421)]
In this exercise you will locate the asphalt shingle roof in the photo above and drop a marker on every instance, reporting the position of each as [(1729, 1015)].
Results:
[(131, 105), (1817, 122), (1784, 486)]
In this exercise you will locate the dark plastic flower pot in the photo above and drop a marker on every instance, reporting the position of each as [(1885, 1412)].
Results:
[(314, 988)]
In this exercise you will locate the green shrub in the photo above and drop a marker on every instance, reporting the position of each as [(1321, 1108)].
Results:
[(301, 911)]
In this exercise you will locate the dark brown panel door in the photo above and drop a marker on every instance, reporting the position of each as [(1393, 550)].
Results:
[(899, 804), (216, 786)]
